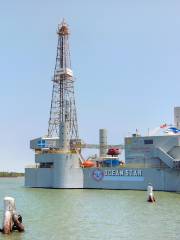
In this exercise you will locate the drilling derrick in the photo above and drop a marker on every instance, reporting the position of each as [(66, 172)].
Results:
[(63, 118), (58, 159)]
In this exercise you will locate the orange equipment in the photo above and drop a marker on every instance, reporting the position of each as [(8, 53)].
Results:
[(88, 164)]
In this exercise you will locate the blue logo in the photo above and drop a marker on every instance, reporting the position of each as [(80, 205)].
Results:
[(41, 143), (98, 174)]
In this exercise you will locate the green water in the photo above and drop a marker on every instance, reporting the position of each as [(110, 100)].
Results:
[(55, 214)]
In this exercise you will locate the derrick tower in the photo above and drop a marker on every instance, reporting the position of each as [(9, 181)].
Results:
[(63, 118)]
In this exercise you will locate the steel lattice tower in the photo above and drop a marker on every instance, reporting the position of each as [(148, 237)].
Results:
[(63, 117)]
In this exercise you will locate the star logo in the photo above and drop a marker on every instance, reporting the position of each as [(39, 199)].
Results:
[(98, 174)]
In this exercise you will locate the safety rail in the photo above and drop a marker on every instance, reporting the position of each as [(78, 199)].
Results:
[(135, 166), (167, 159), (33, 166)]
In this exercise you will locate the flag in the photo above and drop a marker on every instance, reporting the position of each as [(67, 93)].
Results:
[(173, 129), (163, 126)]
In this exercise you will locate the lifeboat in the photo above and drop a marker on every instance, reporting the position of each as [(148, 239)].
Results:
[(88, 164), (113, 151)]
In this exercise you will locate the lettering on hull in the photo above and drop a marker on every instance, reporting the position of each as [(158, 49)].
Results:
[(123, 172), (118, 175)]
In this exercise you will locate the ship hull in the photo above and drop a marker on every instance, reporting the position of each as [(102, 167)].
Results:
[(104, 178), (152, 159), (133, 179)]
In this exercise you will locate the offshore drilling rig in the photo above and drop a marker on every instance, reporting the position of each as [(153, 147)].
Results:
[(58, 159), (63, 118)]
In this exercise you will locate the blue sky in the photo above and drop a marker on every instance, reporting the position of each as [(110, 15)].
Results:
[(125, 56)]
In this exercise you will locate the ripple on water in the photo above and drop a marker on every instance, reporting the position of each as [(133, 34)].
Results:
[(56, 214)]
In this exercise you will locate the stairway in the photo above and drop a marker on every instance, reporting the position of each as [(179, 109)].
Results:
[(167, 159)]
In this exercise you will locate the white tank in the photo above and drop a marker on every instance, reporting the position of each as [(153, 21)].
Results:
[(63, 136), (102, 142), (177, 117)]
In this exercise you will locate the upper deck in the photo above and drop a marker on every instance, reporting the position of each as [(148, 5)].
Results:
[(153, 151)]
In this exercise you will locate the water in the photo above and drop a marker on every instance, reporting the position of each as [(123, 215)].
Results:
[(55, 214)]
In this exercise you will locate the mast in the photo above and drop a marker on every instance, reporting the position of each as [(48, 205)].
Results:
[(63, 117)]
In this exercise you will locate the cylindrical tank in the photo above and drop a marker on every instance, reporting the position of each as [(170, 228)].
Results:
[(177, 117), (63, 136), (102, 142)]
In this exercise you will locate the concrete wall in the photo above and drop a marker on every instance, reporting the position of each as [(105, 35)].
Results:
[(38, 177), (65, 172)]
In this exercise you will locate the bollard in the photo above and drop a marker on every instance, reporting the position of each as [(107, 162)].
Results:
[(11, 220), (150, 193), (9, 208)]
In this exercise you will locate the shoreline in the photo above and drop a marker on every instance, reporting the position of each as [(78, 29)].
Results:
[(11, 174)]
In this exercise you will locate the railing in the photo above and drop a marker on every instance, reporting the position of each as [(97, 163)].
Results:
[(165, 157), (135, 166), (33, 165)]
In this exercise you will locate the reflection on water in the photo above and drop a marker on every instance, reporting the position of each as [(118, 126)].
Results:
[(55, 214)]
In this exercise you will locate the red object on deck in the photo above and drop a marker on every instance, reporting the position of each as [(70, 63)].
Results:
[(114, 151), (88, 164)]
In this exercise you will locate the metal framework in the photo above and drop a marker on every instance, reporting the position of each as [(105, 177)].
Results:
[(63, 108)]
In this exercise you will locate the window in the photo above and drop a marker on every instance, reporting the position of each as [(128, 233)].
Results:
[(148, 141), (46, 165)]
